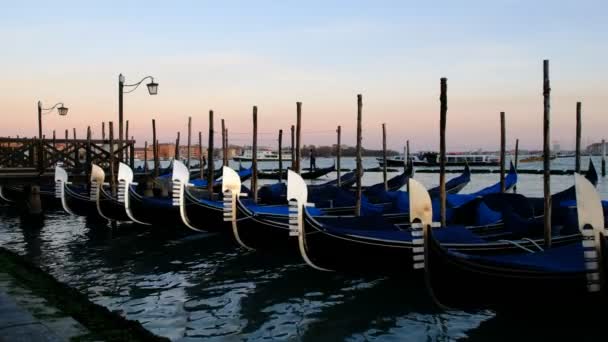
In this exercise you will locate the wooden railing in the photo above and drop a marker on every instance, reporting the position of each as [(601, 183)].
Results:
[(74, 154)]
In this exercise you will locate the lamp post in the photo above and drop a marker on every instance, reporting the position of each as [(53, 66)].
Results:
[(152, 89), (61, 110)]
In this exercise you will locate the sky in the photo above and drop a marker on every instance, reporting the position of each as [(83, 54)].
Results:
[(231, 55)]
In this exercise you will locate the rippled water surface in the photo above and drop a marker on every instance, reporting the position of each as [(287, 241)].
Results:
[(189, 287)]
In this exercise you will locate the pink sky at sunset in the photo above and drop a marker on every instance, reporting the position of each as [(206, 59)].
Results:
[(324, 64)]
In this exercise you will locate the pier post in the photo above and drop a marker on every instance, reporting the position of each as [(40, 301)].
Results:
[(65, 147), (502, 152), (339, 155), (577, 167), (112, 160), (123, 153), (154, 149), (293, 148), (200, 155), (76, 157), (189, 141), (298, 137), (384, 178), (54, 140), (87, 167), (103, 130), (547, 153), (358, 154), (254, 156), (224, 163), (516, 161), (210, 163), (603, 158), (34, 202), (226, 150), (280, 155), (176, 154), (132, 153), (146, 156), (443, 99), (406, 162)]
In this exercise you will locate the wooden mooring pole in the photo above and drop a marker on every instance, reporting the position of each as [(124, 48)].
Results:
[(210, 163), (280, 155), (224, 143), (176, 155), (384, 175), (516, 161), (406, 162), (339, 154), (603, 158), (189, 141), (443, 99), (200, 155), (226, 150), (254, 156), (87, 167), (502, 152), (112, 158), (547, 153), (298, 137), (103, 130), (577, 166), (293, 148), (155, 149), (146, 156), (358, 155), (123, 154)]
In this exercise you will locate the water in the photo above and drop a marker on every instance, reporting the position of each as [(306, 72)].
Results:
[(188, 288)]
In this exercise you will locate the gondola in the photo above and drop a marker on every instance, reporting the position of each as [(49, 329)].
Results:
[(456, 184), (372, 244), (144, 210), (266, 226), (310, 174), (75, 200), (565, 275), (197, 211), (108, 205), (376, 199), (277, 193)]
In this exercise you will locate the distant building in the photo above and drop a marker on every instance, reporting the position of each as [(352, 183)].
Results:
[(595, 148)]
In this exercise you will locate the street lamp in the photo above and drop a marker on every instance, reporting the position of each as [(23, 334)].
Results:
[(61, 110), (152, 90)]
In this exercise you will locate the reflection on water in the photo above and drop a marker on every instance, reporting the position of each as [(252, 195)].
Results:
[(187, 287)]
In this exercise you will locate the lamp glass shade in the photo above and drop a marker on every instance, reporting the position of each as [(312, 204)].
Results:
[(63, 111), (153, 88)]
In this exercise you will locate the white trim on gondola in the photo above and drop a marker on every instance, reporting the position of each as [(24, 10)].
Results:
[(125, 180)]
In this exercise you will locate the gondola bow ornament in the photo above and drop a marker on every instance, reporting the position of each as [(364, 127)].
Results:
[(591, 223), (421, 218)]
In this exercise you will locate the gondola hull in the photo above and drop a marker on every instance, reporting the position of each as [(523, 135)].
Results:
[(204, 215), (79, 203), (110, 207), (459, 282), (153, 211), (351, 254), (262, 231)]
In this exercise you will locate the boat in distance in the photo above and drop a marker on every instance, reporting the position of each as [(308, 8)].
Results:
[(262, 155), (452, 159)]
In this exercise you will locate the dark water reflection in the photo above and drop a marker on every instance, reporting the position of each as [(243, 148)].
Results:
[(188, 288)]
